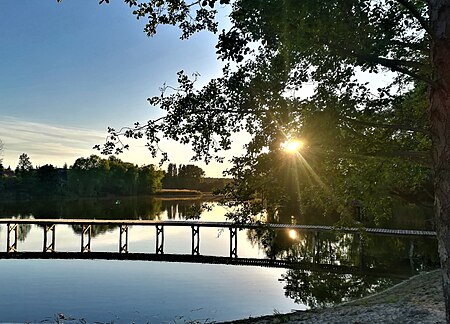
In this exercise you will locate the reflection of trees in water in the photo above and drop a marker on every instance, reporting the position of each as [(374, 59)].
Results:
[(416, 254), (90, 208), (321, 289), (316, 247), (23, 231), (145, 208), (310, 215), (361, 254), (365, 251), (128, 208), (403, 216), (95, 229), (183, 209), (32, 208)]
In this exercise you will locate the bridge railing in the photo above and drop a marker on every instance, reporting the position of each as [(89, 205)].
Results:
[(49, 232)]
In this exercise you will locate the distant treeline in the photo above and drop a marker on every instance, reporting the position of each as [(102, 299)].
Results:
[(190, 177), (98, 177)]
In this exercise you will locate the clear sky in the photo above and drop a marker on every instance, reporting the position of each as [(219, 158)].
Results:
[(69, 70)]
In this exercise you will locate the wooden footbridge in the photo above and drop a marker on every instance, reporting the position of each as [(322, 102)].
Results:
[(49, 235)]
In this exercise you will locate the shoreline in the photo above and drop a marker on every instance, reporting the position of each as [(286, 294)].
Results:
[(418, 299)]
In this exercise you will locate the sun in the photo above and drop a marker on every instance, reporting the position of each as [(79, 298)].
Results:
[(292, 145), (293, 234)]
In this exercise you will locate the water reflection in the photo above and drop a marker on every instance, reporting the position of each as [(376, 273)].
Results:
[(108, 208), (368, 263), (133, 208), (96, 230), (319, 289), (404, 254), (334, 267), (183, 209), (23, 231), (403, 216)]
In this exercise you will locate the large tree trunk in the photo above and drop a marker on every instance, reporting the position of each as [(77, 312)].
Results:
[(440, 126)]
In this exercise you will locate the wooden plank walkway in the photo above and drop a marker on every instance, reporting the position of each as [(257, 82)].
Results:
[(379, 231)]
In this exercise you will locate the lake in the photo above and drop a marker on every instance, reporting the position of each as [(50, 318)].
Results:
[(108, 291)]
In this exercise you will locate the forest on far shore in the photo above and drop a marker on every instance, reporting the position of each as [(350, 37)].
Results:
[(97, 177)]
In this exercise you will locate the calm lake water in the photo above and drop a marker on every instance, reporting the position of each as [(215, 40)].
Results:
[(160, 292)]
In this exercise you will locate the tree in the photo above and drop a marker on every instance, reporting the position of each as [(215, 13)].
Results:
[(184, 177), (87, 176), (327, 43), (1, 153), (26, 180), (170, 179), (172, 171), (191, 171), (24, 164), (149, 179), (48, 181), (94, 176), (190, 176)]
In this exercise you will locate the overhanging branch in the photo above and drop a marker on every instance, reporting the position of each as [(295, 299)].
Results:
[(396, 65), (421, 157), (387, 126)]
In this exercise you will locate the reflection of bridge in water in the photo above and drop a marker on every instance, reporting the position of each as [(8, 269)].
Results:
[(49, 249)]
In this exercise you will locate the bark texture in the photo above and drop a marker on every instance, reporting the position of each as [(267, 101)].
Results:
[(440, 128)]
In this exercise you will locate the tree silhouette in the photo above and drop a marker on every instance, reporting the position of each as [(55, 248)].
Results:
[(1, 155), (24, 164)]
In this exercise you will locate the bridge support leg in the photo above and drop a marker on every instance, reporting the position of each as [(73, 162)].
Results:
[(316, 247), (411, 255), (195, 240), (12, 246), (86, 235), (233, 242), (361, 250), (49, 247), (159, 239), (123, 239)]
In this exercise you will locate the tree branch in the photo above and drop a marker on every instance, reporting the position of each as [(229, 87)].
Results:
[(421, 157), (396, 65), (388, 126), (414, 46), (392, 64), (416, 14), (425, 199)]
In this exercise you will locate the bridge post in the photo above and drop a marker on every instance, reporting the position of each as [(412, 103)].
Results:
[(195, 239), (159, 239), (87, 232), (233, 242), (316, 247), (12, 247), (123, 241), (49, 247), (361, 250)]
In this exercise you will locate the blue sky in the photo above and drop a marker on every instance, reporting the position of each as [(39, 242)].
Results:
[(69, 70)]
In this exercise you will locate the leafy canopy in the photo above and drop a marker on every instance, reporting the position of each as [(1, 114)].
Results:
[(363, 142)]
